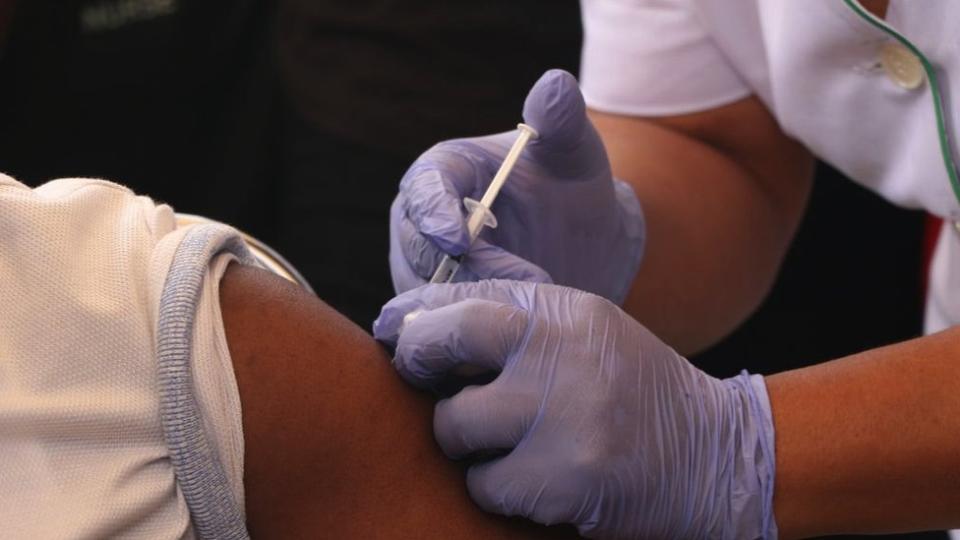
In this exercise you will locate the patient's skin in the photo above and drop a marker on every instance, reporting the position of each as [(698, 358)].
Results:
[(336, 445)]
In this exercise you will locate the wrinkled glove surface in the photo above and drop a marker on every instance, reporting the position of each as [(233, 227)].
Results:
[(598, 422)]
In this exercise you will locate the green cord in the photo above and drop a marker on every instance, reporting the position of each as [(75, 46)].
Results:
[(943, 135)]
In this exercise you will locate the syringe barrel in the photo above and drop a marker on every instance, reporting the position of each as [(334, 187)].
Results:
[(480, 213), (526, 133)]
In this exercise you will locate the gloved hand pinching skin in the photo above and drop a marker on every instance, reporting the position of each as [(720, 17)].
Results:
[(562, 217), (603, 425)]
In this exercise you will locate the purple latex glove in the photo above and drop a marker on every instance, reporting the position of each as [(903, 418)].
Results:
[(604, 425), (562, 217)]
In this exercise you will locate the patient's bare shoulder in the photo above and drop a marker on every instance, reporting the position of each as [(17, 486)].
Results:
[(336, 445)]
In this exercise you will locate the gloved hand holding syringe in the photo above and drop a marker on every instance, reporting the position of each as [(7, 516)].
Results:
[(480, 214), (563, 219)]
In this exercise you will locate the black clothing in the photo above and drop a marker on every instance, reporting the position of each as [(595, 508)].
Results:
[(399, 76), (372, 84), (171, 98), (300, 140)]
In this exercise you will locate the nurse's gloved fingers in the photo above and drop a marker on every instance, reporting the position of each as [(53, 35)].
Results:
[(484, 260), (402, 271), (513, 486), (568, 145), (516, 485), (434, 207), (476, 333), (481, 419), (388, 326), (421, 254), (487, 261), (433, 189)]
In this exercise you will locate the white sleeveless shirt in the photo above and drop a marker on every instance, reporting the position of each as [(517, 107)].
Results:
[(119, 413)]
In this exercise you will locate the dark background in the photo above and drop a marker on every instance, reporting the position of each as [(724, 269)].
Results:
[(295, 120)]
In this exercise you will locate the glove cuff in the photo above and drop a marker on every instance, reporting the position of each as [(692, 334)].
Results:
[(634, 230), (753, 516), (763, 416)]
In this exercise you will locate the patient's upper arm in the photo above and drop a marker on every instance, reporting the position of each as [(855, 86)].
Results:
[(336, 445)]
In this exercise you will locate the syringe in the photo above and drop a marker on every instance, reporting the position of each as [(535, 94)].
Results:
[(480, 213)]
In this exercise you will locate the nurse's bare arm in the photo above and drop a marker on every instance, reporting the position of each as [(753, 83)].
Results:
[(870, 443), (336, 445), (722, 192)]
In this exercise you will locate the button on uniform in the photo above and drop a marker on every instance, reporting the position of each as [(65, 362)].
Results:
[(902, 66)]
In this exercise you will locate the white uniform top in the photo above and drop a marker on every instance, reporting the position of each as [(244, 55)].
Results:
[(817, 67), (119, 412)]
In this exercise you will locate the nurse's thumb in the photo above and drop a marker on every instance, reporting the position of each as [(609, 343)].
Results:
[(568, 145)]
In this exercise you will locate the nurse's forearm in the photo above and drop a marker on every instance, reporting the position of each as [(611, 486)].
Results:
[(870, 443), (722, 192)]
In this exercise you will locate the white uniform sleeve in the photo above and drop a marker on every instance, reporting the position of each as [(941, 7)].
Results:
[(653, 58)]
